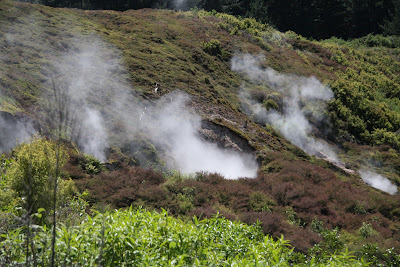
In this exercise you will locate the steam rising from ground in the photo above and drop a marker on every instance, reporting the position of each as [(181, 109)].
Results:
[(12, 131), (96, 142), (378, 181), (293, 121), (104, 103), (99, 81), (89, 92), (303, 99), (172, 125), (86, 84)]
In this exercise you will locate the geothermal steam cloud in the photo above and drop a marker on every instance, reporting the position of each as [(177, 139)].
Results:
[(92, 80), (175, 127), (179, 4), (103, 110), (378, 181), (102, 99), (292, 122), (12, 131)]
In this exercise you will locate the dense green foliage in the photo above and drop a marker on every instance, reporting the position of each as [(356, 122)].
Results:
[(367, 90), (7, 194), (141, 238), (27, 179)]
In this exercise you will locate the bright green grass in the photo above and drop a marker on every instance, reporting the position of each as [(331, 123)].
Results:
[(143, 238)]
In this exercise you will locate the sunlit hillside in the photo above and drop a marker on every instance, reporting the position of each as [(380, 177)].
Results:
[(197, 113)]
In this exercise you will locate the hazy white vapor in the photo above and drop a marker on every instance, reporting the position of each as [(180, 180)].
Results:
[(103, 111), (93, 78), (296, 86), (13, 131), (94, 139), (378, 181), (175, 127), (96, 78), (292, 121)]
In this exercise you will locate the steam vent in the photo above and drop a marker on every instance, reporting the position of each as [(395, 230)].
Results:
[(199, 133)]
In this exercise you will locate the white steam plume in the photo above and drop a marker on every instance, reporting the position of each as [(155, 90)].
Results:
[(97, 79), (292, 122), (13, 131), (94, 139), (103, 110), (95, 82), (378, 181), (176, 128)]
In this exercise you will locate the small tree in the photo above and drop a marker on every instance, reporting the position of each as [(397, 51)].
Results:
[(34, 175), (34, 172)]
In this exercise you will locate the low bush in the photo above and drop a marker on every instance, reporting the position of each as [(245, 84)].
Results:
[(90, 164), (213, 47)]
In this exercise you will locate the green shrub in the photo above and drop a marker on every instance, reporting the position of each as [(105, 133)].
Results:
[(383, 137), (317, 226), (260, 202), (376, 40), (213, 47), (270, 104), (365, 230), (331, 244), (33, 172), (8, 198), (90, 164)]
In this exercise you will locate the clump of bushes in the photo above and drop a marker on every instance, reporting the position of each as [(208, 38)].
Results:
[(90, 164), (371, 40), (214, 48), (357, 114), (29, 178), (376, 40), (260, 201)]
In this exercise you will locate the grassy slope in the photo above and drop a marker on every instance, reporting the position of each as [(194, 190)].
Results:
[(166, 47)]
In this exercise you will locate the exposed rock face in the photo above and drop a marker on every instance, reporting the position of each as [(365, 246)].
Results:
[(223, 137), (334, 162)]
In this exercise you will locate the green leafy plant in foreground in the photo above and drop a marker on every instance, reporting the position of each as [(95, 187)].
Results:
[(136, 237)]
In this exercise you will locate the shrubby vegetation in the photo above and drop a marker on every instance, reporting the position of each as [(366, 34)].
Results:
[(214, 48), (366, 84), (140, 237), (28, 178), (365, 107)]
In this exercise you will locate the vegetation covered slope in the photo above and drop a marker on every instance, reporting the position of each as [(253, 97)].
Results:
[(295, 194)]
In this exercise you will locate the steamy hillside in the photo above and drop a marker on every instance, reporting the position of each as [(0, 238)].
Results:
[(200, 113)]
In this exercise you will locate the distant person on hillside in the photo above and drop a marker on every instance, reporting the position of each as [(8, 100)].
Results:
[(157, 88)]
